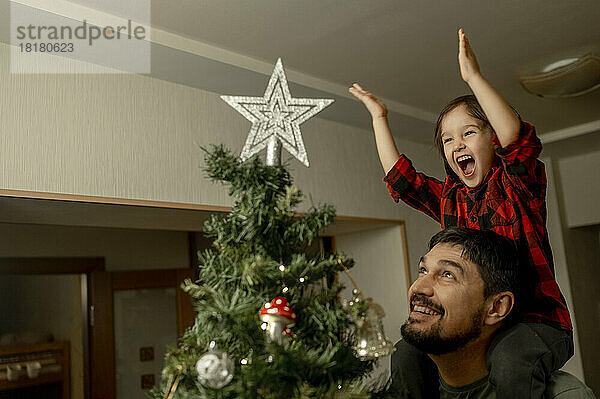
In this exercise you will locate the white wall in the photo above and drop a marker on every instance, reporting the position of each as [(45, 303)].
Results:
[(132, 136), (135, 137), (581, 188), (561, 270), (380, 274), (576, 176)]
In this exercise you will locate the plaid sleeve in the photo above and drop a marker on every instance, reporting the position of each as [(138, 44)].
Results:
[(416, 189), (520, 161)]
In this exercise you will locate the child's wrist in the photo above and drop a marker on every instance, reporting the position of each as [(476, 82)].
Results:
[(474, 78), (379, 117)]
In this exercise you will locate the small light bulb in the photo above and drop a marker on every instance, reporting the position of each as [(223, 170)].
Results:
[(263, 326), (244, 361), (282, 268), (285, 289), (339, 387), (301, 279)]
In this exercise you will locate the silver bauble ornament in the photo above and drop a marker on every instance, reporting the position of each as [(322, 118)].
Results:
[(214, 368)]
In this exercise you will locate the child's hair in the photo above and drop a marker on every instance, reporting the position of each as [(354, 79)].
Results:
[(473, 109)]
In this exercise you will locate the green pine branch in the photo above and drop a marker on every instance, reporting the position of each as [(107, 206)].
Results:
[(242, 272)]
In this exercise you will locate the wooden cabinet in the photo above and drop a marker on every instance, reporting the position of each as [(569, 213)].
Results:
[(29, 370)]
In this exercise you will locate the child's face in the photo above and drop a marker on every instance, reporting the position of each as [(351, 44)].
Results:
[(467, 146)]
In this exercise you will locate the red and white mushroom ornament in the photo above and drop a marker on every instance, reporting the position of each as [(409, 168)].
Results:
[(279, 317)]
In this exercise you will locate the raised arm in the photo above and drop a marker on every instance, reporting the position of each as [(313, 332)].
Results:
[(386, 148), (502, 117)]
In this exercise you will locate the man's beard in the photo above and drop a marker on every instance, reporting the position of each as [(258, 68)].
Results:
[(431, 341)]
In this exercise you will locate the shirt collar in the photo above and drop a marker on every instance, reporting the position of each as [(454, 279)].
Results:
[(465, 388)]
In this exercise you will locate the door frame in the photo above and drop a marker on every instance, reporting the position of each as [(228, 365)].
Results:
[(101, 317), (83, 266)]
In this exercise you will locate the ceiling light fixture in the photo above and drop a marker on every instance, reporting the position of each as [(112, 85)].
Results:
[(565, 78), (559, 64)]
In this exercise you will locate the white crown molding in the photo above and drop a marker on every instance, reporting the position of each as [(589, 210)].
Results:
[(182, 43), (569, 132)]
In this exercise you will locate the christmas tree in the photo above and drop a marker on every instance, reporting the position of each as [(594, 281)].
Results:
[(270, 323)]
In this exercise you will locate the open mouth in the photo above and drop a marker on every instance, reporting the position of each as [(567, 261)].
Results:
[(466, 163), (425, 310), (425, 307)]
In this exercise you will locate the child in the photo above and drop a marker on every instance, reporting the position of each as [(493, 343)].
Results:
[(495, 182)]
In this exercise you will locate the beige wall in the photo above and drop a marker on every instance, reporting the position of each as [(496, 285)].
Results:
[(577, 192), (581, 188), (583, 252), (131, 136), (52, 303), (123, 249), (46, 304), (136, 137), (380, 274), (563, 275)]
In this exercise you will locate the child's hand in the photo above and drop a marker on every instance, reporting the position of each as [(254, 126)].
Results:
[(466, 58), (374, 105)]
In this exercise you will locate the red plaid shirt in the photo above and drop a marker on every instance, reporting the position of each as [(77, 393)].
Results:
[(510, 201)]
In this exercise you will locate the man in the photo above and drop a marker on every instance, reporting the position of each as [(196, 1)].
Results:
[(466, 294)]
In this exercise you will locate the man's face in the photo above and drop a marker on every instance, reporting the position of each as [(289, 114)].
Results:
[(468, 146), (446, 302)]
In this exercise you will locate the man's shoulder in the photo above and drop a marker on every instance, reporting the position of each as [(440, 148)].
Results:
[(566, 386), (562, 386)]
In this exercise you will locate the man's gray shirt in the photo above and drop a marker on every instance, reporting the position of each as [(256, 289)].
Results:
[(562, 386)]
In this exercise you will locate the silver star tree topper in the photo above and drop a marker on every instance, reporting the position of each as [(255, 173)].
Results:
[(276, 119)]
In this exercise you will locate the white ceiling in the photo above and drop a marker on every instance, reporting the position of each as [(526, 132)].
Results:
[(404, 51)]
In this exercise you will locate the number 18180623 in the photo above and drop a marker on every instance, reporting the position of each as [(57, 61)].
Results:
[(46, 47)]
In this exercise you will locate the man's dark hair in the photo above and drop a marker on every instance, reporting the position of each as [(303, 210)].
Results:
[(496, 257)]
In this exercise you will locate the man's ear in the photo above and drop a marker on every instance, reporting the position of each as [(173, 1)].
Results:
[(498, 307)]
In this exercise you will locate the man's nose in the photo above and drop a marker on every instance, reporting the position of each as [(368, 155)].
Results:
[(422, 285)]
